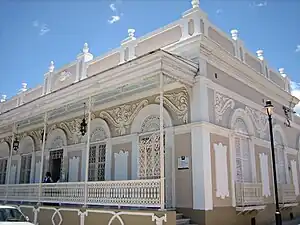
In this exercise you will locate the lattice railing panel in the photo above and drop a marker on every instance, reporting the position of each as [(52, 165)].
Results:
[(248, 194), (144, 193)]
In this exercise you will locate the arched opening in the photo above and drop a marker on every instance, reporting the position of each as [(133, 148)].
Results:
[(99, 153), (280, 157), (26, 151), (242, 152), (55, 144), (147, 126)]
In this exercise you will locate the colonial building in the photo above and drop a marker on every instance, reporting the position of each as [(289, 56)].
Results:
[(170, 126)]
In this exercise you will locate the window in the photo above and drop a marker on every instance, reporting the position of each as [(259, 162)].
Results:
[(280, 158), (280, 164), (3, 167), (242, 151), (11, 215), (25, 169), (97, 157)]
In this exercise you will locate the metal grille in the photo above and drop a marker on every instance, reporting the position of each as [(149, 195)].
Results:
[(97, 157), (3, 167), (243, 162), (25, 169), (149, 157)]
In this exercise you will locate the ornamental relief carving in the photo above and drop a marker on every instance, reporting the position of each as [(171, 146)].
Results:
[(222, 103), (178, 103), (122, 116), (71, 128), (259, 119)]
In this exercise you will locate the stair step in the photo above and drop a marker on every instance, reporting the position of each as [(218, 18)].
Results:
[(183, 221), (179, 216)]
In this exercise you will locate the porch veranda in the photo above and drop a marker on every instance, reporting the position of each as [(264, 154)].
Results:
[(135, 193)]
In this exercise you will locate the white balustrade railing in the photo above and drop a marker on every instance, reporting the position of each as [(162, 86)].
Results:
[(286, 193), (142, 193), (248, 194)]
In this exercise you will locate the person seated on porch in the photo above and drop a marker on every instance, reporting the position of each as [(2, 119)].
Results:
[(48, 178)]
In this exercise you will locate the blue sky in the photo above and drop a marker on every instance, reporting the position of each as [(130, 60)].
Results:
[(33, 32)]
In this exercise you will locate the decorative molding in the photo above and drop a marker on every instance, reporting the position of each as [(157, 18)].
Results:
[(295, 176), (71, 128), (122, 116), (178, 103), (221, 169), (264, 171), (259, 119), (64, 75), (121, 165), (222, 103), (74, 163)]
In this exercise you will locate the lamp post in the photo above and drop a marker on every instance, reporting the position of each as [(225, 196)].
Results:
[(269, 110)]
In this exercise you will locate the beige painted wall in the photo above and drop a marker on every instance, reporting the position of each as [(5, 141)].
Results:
[(183, 178)]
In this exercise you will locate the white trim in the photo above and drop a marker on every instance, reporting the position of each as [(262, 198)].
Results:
[(279, 129)]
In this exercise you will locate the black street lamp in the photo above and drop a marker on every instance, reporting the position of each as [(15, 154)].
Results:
[(269, 110)]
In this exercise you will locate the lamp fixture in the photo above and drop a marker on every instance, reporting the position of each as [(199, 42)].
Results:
[(83, 124), (16, 142), (269, 108)]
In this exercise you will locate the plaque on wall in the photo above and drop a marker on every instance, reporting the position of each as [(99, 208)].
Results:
[(183, 162)]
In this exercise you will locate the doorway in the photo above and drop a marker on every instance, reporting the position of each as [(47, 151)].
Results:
[(55, 167)]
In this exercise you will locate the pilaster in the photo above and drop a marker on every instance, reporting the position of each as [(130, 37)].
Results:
[(202, 180)]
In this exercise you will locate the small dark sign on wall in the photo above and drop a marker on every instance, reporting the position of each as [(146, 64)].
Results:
[(183, 162)]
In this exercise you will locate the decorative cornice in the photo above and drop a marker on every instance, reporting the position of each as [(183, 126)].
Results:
[(151, 63)]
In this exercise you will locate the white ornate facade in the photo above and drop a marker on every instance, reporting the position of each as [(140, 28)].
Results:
[(180, 128)]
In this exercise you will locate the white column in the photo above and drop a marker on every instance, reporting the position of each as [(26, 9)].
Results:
[(32, 167), (135, 157), (161, 132), (86, 177), (18, 169), (42, 157), (201, 166), (108, 160)]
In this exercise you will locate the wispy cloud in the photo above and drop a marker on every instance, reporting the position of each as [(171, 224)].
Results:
[(297, 48), (259, 4), (296, 92), (117, 15), (219, 11), (42, 27)]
